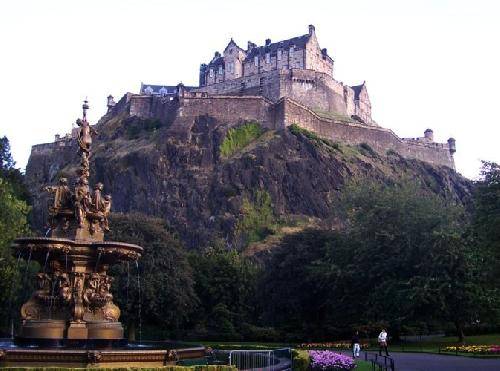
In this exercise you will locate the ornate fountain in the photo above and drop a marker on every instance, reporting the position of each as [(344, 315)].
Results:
[(72, 306)]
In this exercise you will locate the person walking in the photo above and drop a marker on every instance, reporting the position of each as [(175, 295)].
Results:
[(355, 344), (382, 342)]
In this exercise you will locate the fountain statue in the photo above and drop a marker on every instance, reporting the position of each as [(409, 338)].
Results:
[(72, 306)]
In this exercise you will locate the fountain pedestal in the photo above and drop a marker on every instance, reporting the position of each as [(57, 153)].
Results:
[(73, 305)]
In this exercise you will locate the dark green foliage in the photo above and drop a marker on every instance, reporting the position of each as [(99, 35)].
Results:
[(401, 257), (301, 360), (257, 219), (226, 287), (367, 150), (14, 212), (239, 137), (167, 293), (136, 127), (10, 173), (487, 214), (317, 140)]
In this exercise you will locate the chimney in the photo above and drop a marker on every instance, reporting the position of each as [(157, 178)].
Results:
[(312, 30), (324, 51), (251, 45), (216, 55), (268, 42)]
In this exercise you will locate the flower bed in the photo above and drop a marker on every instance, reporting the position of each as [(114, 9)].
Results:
[(341, 345), (475, 349), (328, 360)]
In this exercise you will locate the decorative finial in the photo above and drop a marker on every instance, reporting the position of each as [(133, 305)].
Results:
[(85, 107)]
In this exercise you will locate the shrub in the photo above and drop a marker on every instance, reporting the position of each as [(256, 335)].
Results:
[(367, 150), (239, 137), (301, 360), (313, 137), (136, 126), (258, 218)]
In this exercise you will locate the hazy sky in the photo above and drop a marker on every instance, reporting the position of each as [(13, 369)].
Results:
[(426, 63)]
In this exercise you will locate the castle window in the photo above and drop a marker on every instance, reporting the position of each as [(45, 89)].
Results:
[(220, 70), (211, 72), (291, 51), (268, 57), (278, 55), (256, 61), (230, 67)]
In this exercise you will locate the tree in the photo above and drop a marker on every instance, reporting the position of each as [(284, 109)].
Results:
[(13, 223), (157, 292), (400, 256), (225, 283), (10, 173), (487, 214)]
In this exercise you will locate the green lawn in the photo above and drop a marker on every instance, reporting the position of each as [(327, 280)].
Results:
[(433, 345), (363, 365), (429, 346)]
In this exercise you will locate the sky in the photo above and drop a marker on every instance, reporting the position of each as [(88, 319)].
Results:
[(427, 64)]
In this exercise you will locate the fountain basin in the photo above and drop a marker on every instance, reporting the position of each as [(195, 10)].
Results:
[(154, 354), (73, 301), (84, 250)]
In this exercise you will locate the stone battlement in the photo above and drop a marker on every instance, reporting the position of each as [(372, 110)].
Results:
[(279, 115), (182, 111)]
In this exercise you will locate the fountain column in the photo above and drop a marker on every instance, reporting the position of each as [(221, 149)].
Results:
[(73, 301)]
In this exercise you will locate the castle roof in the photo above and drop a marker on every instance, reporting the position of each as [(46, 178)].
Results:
[(218, 61), (231, 42), (161, 89), (298, 42)]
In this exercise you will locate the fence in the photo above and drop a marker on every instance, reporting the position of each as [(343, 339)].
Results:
[(268, 360), (380, 363)]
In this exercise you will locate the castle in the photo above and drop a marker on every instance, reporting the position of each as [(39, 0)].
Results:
[(278, 84)]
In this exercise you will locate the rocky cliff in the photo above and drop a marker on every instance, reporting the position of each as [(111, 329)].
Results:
[(148, 167)]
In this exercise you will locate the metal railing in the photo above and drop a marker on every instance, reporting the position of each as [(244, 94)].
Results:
[(269, 360), (380, 363)]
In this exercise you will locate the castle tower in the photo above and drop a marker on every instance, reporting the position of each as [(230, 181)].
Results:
[(429, 135), (452, 145), (111, 102)]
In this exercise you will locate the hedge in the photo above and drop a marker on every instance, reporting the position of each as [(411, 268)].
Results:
[(301, 360)]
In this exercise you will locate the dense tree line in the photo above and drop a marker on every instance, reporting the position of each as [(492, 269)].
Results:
[(14, 212), (400, 257)]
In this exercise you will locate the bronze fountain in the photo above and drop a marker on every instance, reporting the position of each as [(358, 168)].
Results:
[(73, 308)]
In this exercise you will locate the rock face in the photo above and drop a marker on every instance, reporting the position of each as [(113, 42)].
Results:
[(185, 180)]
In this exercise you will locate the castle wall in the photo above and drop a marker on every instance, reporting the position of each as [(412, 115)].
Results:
[(314, 89), (295, 59), (235, 109), (266, 84), (381, 140), (230, 110)]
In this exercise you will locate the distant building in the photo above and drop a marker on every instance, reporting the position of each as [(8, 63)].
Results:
[(163, 90)]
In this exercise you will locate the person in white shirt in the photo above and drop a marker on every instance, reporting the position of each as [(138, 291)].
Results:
[(382, 342), (355, 345)]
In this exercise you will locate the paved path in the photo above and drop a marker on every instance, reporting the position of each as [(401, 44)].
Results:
[(438, 362)]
